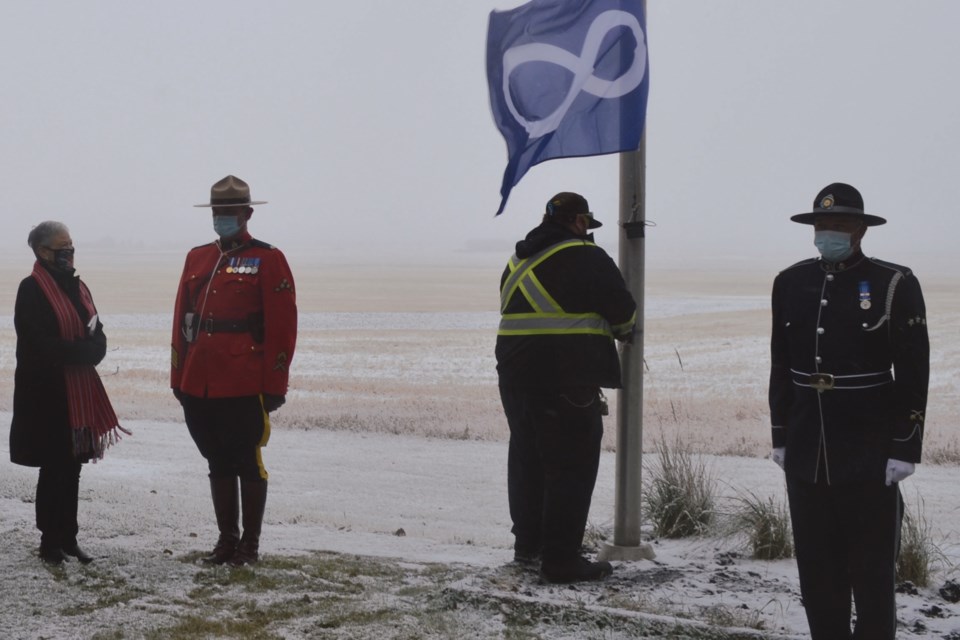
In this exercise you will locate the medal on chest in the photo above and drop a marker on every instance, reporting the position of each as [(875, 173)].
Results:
[(244, 266), (865, 295)]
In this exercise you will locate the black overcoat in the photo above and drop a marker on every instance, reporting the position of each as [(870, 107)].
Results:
[(863, 323), (40, 433)]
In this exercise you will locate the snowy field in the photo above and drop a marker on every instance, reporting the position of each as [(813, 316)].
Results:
[(393, 426)]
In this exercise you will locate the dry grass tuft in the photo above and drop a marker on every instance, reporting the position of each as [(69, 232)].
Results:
[(679, 496), (919, 555), (766, 524)]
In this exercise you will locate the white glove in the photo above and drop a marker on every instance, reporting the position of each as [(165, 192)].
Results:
[(779, 455), (898, 470)]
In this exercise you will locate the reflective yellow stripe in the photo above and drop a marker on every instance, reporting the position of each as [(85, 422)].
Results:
[(517, 324), (548, 317), (538, 296), (263, 441), (627, 326), (520, 268)]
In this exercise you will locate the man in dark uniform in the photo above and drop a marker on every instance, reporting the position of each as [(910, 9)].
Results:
[(563, 302), (234, 332), (848, 391)]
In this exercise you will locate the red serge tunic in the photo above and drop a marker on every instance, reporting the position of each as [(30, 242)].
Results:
[(244, 322)]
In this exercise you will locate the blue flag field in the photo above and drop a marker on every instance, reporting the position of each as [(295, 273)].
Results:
[(567, 78)]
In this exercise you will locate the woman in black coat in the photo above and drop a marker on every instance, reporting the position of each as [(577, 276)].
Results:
[(61, 414)]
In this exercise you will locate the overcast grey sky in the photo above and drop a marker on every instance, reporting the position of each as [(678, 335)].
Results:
[(367, 127)]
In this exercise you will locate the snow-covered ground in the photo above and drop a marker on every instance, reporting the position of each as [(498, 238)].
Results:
[(393, 423)]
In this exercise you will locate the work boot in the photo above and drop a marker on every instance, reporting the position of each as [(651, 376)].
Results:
[(526, 555), (574, 570), (52, 555), (226, 506), (254, 499), (73, 549)]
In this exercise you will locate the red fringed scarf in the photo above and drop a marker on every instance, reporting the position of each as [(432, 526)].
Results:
[(92, 420)]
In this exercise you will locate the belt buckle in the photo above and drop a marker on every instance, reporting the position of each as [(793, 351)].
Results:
[(821, 381), (208, 325)]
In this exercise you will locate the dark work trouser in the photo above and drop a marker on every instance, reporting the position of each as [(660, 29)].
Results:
[(847, 538), (552, 467), (58, 489), (229, 432)]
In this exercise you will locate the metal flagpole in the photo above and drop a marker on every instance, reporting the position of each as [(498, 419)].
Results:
[(626, 528)]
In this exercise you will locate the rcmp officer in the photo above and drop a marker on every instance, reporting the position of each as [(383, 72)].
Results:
[(234, 332), (563, 302), (848, 391)]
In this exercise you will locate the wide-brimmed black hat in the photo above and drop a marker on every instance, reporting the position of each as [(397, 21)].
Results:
[(838, 199), (566, 205)]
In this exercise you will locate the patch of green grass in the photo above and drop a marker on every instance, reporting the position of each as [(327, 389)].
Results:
[(195, 627), (330, 596), (102, 592)]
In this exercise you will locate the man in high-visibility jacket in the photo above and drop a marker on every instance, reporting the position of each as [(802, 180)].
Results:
[(563, 303)]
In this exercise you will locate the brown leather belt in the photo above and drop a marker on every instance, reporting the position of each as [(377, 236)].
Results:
[(828, 382)]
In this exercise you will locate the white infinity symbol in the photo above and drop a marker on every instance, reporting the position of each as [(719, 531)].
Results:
[(583, 78)]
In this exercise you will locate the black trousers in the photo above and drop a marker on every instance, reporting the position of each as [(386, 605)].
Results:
[(552, 467), (847, 538), (229, 432), (58, 489)]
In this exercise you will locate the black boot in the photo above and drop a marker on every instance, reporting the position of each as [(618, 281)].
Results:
[(52, 555), (575, 569), (254, 498), (73, 549), (226, 506)]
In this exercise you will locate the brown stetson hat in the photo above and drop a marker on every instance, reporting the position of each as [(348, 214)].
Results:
[(230, 192)]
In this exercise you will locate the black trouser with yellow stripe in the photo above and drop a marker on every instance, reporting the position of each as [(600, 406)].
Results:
[(229, 432)]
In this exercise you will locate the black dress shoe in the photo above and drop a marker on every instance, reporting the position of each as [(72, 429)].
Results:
[(78, 553), (575, 570), (52, 555)]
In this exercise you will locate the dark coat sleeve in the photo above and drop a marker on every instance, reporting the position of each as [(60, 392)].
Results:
[(610, 296), (781, 385), (911, 367)]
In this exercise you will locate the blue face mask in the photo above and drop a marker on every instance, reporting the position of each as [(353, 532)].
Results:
[(227, 226), (834, 246)]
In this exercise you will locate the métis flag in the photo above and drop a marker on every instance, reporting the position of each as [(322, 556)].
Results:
[(567, 78)]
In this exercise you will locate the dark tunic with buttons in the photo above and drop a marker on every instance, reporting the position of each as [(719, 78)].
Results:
[(849, 368)]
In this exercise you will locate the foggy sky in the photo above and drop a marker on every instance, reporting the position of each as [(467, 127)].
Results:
[(367, 127)]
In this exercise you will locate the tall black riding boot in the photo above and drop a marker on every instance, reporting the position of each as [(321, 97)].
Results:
[(254, 497), (226, 506)]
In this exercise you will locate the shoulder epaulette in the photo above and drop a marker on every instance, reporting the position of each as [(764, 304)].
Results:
[(260, 244), (889, 265)]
